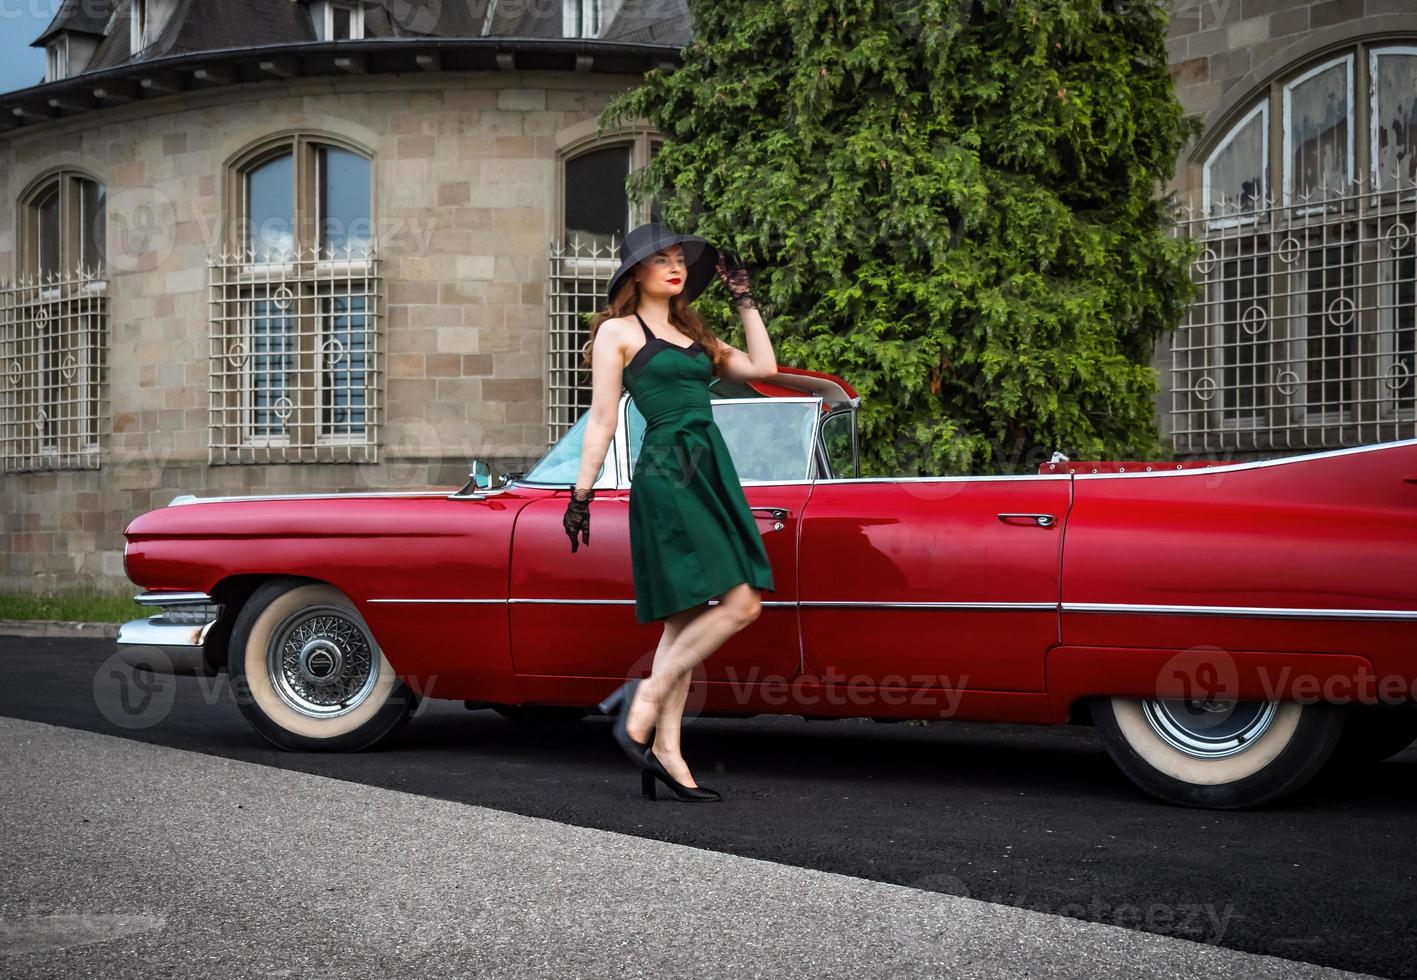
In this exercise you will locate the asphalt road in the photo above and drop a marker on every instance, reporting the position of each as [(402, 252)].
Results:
[(1029, 817)]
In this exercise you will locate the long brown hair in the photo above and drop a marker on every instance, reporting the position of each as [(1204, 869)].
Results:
[(682, 315)]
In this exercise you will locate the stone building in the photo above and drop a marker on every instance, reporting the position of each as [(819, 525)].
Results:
[(1301, 192), (299, 245)]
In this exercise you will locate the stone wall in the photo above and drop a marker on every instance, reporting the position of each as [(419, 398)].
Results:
[(465, 203)]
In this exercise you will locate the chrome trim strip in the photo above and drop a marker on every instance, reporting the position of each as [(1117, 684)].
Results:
[(623, 602), (887, 604), (157, 633), (1040, 477), (1269, 611), (173, 599), (567, 602), (189, 499), (1251, 465), (436, 600), (1085, 607)]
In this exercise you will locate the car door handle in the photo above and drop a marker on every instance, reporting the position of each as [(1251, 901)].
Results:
[(776, 513), (1039, 520)]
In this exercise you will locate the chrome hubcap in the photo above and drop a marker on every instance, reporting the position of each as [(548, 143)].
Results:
[(1209, 729), (321, 662)]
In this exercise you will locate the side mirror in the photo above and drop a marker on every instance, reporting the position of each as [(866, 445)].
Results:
[(481, 475), (480, 478)]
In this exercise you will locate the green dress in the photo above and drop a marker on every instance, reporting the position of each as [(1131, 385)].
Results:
[(692, 536)]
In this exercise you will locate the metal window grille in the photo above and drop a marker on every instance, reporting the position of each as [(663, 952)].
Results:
[(1302, 332), (54, 344), (296, 356), (580, 272)]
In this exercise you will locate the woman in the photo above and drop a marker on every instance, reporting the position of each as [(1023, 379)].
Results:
[(692, 536)]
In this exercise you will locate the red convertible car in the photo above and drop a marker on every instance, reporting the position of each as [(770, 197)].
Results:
[(1228, 628)]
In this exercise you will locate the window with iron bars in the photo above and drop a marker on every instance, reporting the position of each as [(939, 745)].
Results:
[(296, 360), (54, 329), (54, 345), (595, 214), (1303, 330), (580, 272)]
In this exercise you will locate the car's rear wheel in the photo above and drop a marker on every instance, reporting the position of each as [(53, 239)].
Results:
[(307, 673), (1373, 733), (1218, 754)]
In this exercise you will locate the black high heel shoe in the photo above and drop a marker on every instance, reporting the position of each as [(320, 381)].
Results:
[(654, 769), (619, 703)]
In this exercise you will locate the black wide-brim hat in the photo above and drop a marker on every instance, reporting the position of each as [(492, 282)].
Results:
[(642, 242)]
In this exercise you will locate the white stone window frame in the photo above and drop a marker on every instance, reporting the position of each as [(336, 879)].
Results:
[(580, 139), (77, 294), (302, 266), (1345, 59), (138, 21), (1374, 54), (322, 16), (1262, 110), (146, 19), (576, 11), (57, 58)]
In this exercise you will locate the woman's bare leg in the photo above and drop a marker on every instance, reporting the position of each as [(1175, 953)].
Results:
[(670, 721), (699, 637)]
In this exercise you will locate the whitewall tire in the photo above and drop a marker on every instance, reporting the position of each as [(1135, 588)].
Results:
[(1219, 754), (307, 673)]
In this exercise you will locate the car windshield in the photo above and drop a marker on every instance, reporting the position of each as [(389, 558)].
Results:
[(770, 440), (562, 463)]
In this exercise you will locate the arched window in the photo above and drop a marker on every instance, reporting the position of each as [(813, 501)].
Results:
[(1393, 133), (1303, 333), (296, 313), (55, 327), (596, 213), (595, 207)]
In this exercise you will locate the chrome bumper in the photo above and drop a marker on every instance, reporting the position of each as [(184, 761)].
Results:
[(184, 620)]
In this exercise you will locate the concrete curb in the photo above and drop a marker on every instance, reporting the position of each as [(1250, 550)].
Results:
[(57, 627)]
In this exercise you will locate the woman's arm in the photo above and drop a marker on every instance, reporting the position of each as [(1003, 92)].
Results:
[(606, 383), (760, 361)]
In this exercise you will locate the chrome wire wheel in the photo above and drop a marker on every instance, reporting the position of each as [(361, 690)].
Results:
[(321, 662), (1209, 729), (308, 673)]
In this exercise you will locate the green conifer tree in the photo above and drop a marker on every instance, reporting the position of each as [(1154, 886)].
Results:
[(953, 204)]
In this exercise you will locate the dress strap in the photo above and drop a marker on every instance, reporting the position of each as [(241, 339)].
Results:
[(648, 336)]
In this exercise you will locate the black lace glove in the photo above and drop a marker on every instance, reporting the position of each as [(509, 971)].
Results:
[(734, 276), (577, 519)]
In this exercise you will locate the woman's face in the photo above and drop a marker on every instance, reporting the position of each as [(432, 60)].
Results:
[(663, 273)]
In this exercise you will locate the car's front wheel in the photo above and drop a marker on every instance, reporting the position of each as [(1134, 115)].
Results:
[(307, 674), (1218, 754)]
